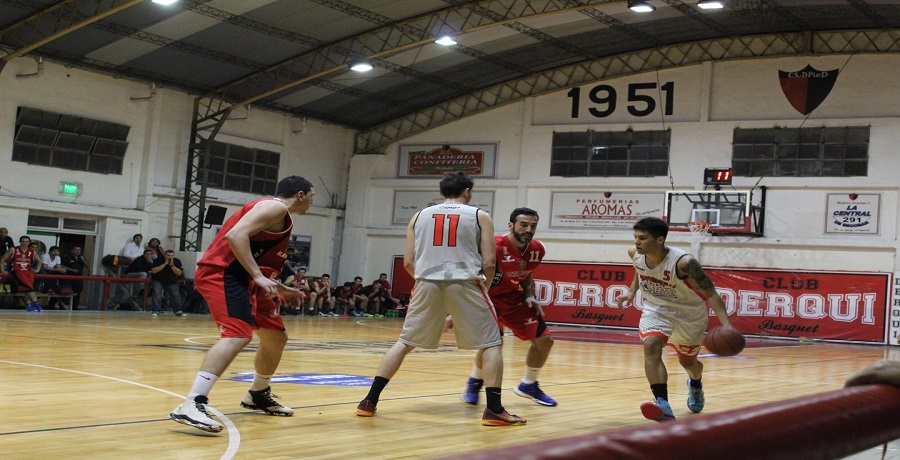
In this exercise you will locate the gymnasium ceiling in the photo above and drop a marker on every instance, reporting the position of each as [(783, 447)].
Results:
[(292, 55)]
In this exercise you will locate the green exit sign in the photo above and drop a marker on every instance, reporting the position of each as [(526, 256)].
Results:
[(69, 188)]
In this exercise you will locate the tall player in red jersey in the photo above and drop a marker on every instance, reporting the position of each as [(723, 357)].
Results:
[(237, 277), (512, 291)]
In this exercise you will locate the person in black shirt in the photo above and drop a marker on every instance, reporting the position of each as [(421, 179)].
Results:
[(165, 273), (138, 268), (76, 265)]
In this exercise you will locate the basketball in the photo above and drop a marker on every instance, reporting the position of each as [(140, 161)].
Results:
[(724, 341)]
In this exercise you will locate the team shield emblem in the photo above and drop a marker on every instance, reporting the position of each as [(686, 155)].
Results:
[(807, 88)]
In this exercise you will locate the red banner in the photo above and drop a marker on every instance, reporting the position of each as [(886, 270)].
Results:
[(823, 305), (840, 306)]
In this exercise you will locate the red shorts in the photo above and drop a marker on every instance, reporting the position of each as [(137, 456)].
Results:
[(515, 314), (24, 280), (237, 309)]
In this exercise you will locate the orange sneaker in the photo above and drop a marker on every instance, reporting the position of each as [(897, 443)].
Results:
[(504, 419), (365, 408)]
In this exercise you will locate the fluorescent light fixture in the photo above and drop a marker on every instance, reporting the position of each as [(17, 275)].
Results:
[(361, 66), (640, 6), (164, 2), (710, 4), (445, 40)]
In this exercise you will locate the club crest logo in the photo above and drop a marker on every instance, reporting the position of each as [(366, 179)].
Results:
[(807, 88)]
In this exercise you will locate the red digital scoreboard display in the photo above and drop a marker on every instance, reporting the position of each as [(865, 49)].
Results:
[(717, 176)]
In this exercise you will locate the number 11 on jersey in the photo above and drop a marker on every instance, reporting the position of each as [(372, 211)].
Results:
[(439, 229)]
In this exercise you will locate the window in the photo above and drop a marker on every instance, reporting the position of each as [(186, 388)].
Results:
[(243, 169), (69, 142), (618, 154), (801, 152)]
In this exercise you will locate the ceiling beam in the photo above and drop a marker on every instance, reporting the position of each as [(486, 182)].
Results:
[(375, 140), (58, 20)]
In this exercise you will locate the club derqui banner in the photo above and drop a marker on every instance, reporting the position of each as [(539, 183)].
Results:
[(850, 306)]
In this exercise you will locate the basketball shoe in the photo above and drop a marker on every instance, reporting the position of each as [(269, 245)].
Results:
[(503, 419), (365, 408), (533, 392), (194, 413), (473, 387), (38, 306), (263, 400), (695, 399), (658, 410)]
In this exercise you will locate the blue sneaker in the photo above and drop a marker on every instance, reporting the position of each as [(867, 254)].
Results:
[(38, 307), (658, 410), (473, 386), (29, 307), (533, 392), (695, 398)]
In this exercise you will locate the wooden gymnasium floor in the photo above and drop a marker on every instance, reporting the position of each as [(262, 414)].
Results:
[(98, 385)]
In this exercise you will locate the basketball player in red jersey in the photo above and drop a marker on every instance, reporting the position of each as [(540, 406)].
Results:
[(25, 263), (237, 277), (512, 291)]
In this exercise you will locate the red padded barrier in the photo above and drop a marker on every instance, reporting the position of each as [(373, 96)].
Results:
[(820, 426)]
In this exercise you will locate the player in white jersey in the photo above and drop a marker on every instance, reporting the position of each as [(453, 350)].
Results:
[(450, 253), (675, 293)]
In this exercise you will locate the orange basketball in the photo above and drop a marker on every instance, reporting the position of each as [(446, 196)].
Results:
[(724, 341)]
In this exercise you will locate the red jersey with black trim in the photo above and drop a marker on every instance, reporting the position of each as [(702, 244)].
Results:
[(513, 266), (269, 249)]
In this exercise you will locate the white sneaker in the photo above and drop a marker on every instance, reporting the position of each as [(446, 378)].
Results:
[(263, 400), (194, 413)]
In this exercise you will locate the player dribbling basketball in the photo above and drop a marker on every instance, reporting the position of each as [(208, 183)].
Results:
[(675, 293)]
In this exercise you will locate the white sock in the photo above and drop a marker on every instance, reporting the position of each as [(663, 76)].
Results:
[(202, 384), (476, 372), (260, 382), (531, 374)]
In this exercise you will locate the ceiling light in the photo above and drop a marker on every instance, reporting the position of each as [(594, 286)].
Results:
[(445, 40), (710, 4), (361, 66), (640, 6), (164, 2)]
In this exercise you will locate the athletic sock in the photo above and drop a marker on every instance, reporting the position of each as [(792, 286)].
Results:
[(203, 384), (531, 374), (660, 390), (696, 383), (377, 387), (260, 382), (493, 400)]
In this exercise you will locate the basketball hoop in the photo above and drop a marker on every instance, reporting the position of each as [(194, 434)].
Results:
[(699, 230)]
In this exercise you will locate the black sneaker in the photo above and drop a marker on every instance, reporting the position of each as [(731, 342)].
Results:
[(263, 400)]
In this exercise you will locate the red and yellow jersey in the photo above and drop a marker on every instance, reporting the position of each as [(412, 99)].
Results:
[(514, 266), (269, 249)]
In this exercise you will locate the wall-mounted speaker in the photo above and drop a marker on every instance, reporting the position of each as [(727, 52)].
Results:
[(215, 215)]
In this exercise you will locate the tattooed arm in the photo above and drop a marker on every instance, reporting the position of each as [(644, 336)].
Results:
[(690, 271)]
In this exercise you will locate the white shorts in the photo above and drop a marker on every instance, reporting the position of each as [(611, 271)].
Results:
[(474, 318), (682, 329)]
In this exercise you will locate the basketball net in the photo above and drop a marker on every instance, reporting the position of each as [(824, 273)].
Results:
[(699, 231)]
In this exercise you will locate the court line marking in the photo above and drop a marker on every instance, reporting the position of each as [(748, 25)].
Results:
[(234, 436)]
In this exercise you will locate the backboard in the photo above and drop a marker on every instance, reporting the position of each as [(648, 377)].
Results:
[(728, 212)]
